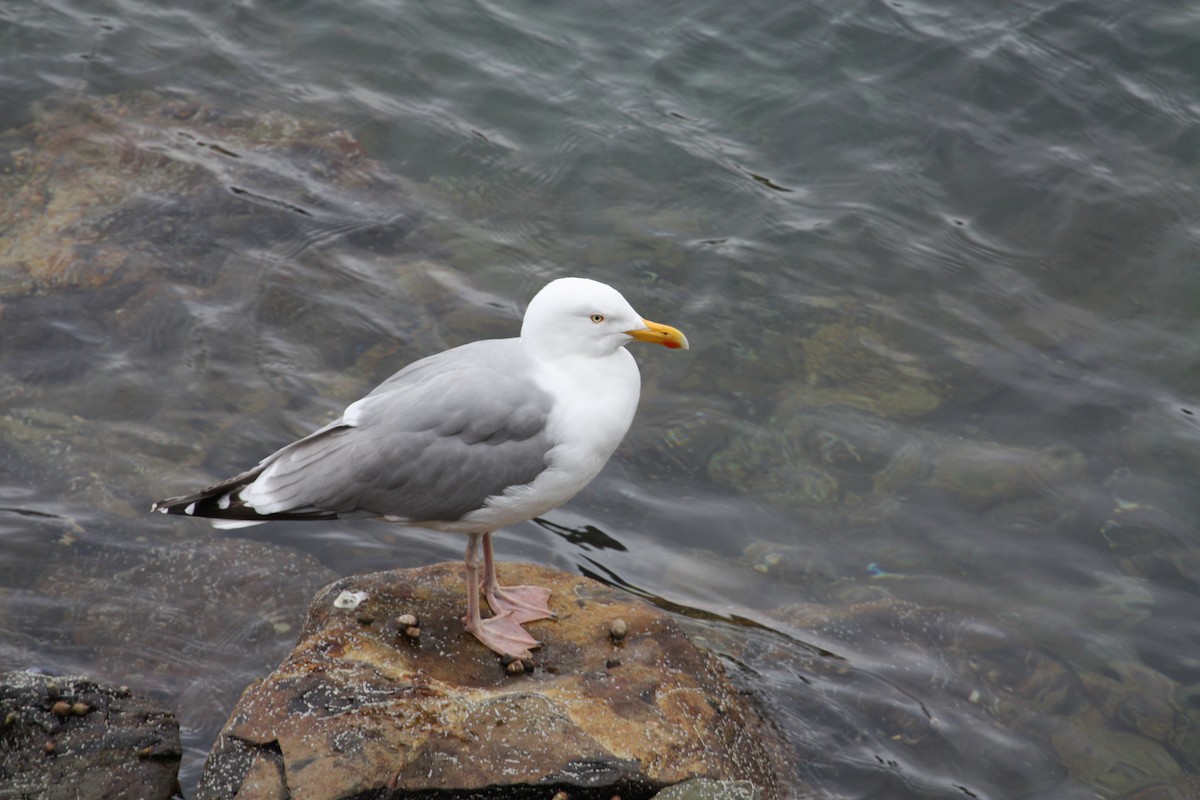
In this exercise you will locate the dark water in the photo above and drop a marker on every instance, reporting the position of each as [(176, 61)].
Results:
[(927, 479)]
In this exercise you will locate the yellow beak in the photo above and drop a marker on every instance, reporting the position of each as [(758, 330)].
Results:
[(660, 334)]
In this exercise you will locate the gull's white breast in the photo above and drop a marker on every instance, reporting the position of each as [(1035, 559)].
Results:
[(594, 403)]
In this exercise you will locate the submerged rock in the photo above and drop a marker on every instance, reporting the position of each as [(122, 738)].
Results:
[(850, 361), (240, 598), (1112, 761), (843, 459), (100, 189), (71, 738), (826, 351), (362, 707)]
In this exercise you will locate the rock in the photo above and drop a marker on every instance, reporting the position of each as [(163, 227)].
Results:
[(844, 460), (829, 350), (192, 621), (853, 362), (979, 474), (1184, 787), (123, 186), (794, 562), (1137, 699), (240, 598), (359, 710), (110, 742), (706, 789), (1110, 761)]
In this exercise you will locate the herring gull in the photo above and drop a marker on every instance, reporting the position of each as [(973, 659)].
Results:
[(469, 440)]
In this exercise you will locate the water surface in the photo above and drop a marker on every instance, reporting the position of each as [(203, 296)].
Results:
[(926, 480)]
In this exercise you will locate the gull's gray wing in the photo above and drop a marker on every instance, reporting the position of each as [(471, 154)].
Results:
[(431, 443)]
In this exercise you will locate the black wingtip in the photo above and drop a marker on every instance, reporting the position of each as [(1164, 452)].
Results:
[(174, 505), (206, 505)]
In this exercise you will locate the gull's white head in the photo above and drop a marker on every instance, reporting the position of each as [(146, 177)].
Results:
[(578, 316)]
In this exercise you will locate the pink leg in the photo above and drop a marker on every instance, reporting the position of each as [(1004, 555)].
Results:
[(501, 633), (525, 603)]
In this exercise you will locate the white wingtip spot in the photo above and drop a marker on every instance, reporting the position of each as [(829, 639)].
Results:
[(223, 503), (191, 509)]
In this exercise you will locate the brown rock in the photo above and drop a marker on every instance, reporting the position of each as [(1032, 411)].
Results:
[(129, 748), (361, 711)]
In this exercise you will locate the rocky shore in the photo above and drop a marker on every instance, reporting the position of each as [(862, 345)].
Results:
[(386, 696)]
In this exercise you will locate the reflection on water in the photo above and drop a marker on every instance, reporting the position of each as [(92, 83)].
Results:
[(926, 481)]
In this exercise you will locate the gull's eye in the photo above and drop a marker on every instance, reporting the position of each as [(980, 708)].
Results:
[(597, 318)]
